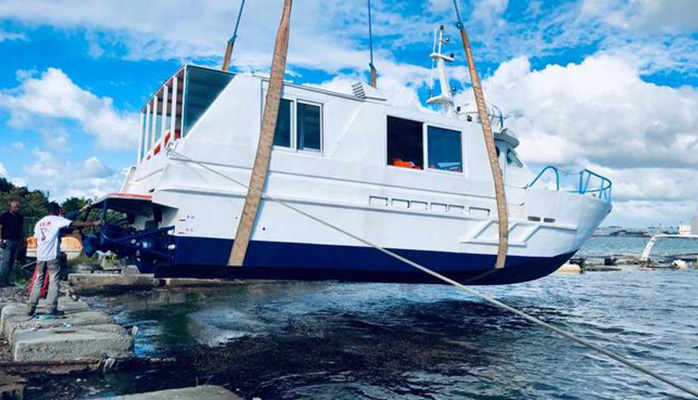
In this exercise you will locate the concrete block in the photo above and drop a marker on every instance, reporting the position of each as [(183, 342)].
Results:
[(205, 392), (80, 318), (14, 313), (55, 344), (95, 283)]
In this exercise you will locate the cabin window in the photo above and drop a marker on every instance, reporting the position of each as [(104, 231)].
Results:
[(405, 144), (512, 158), (157, 120), (282, 133), (444, 148), (308, 127), (202, 87), (144, 133)]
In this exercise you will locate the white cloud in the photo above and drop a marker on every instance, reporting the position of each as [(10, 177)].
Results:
[(489, 12), (441, 5), (166, 29), (8, 36), (599, 110), (4, 173), (599, 114), (18, 145), (53, 97), (646, 16), (63, 179)]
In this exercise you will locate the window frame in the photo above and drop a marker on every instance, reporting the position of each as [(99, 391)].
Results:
[(386, 161), (292, 116), (322, 125), (294, 124), (426, 150), (425, 146)]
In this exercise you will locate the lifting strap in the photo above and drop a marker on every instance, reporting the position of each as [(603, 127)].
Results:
[(374, 73), (266, 141), (231, 42), (489, 144)]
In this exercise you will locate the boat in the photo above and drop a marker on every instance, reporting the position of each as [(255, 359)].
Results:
[(415, 181)]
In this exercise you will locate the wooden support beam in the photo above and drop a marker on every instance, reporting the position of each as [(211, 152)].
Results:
[(266, 141), (491, 152)]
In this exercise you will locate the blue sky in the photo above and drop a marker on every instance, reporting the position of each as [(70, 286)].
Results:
[(612, 86)]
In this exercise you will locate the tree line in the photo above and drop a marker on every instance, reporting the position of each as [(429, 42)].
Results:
[(34, 202)]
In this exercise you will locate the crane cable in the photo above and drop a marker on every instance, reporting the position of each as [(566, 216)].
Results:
[(450, 281)]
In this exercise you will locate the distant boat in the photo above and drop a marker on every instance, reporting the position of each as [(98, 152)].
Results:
[(630, 233), (413, 181)]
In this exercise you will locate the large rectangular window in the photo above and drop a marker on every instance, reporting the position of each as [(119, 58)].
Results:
[(202, 87), (282, 133), (444, 148), (405, 145), (308, 127)]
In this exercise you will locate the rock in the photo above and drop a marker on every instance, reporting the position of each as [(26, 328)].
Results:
[(130, 270), (205, 392), (11, 387)]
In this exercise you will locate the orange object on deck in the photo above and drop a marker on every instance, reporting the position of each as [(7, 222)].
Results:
[(399, 162)]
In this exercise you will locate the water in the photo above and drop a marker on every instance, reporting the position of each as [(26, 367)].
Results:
[(380, 341)]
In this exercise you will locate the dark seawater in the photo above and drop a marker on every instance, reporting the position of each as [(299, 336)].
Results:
[(297, 340)]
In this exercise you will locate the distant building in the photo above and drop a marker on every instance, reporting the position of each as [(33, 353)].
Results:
[(689, 229), (684, 229)]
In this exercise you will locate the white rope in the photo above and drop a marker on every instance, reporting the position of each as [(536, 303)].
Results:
[(466, 289)]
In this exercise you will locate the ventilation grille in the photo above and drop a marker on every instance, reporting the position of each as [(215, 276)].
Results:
[(359, 90)]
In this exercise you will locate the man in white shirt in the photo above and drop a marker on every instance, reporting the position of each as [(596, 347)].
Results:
[(47, 233)]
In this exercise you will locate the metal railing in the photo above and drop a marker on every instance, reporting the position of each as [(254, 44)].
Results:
[(587, 182)]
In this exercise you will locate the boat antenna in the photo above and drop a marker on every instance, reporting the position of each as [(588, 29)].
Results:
[(231, 42), (370, 46), (489, 144), (431, 73)]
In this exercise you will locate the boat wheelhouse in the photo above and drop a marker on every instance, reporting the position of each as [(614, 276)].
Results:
[(416, 181)]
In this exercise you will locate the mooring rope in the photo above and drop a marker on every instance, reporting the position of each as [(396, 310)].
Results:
[(466, 289)]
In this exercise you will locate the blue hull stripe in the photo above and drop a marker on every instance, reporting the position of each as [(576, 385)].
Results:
[(207, 257)]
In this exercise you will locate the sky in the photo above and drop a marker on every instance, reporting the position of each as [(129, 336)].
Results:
[(611, 86)]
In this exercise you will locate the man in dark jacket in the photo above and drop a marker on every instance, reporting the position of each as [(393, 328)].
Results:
[(11, 240)]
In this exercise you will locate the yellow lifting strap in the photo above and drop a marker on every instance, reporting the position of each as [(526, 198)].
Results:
[(231, 43), (491, 152), (266, 141)]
